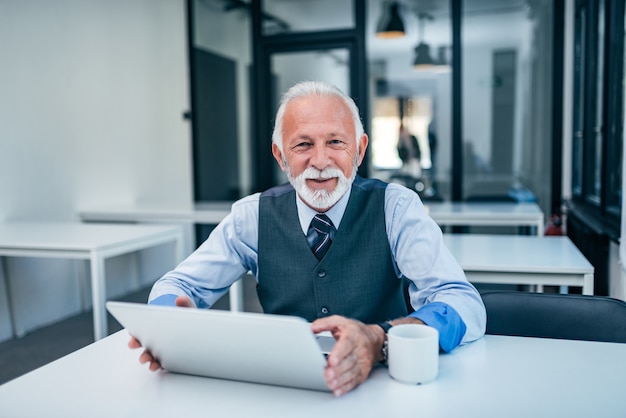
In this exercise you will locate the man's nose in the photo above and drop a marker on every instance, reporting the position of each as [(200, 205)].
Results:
[(320, 157)]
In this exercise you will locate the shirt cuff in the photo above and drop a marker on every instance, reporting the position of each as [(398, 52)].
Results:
[(444, 319), (164, 300)]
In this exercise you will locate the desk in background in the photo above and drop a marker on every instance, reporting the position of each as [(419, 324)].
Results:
[(209, 213), (521, 259), (487, 214), (495, 376), (90, 242), (503, 259), (204, 213), (444, 213)]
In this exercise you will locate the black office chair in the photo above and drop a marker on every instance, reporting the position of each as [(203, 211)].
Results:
[(561, 316)]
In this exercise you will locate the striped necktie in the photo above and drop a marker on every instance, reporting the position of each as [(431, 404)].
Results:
[(322, 225)]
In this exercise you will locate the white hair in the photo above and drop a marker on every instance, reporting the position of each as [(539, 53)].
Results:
[(314, 88)]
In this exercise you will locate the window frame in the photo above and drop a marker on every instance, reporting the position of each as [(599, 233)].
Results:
[(600, 204)]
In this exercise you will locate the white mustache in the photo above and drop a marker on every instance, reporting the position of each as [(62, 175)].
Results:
[(315, 174)]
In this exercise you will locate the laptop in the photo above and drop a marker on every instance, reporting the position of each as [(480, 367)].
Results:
[(251, 347)]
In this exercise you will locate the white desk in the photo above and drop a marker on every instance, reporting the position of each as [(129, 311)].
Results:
[(205, 213), (209, 213), (90, 242), (487, 214), (528, 265), (444, 213), (493, 377), (521, 259)]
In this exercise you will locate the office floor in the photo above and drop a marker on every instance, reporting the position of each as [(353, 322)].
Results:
[(44, 345)]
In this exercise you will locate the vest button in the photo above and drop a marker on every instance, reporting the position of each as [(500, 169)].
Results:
[(324, 310), (321, 273)]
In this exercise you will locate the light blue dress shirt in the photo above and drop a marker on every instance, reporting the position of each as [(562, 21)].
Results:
[(439, 291)]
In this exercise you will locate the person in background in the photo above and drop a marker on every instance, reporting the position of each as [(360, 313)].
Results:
[(331, 247), (410, 153)]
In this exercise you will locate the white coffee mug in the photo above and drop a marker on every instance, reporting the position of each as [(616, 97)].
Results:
[(413, 353)]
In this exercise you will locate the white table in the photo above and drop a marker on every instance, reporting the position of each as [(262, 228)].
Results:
[(90, 242), (209, 213), (487, 214), (204, 213), (521, 259), (495, 376), (444, 213), (519, 268)]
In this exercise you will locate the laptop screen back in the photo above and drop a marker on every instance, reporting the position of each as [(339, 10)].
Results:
[(261, 348)]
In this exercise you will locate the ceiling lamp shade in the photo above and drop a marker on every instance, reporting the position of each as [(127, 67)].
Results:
[(390, 24), (443, 63), (423, 60)]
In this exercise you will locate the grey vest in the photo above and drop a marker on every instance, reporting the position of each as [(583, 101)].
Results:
[(355, 278)]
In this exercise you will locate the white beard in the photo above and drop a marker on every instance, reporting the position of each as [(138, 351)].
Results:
[(319, 198)]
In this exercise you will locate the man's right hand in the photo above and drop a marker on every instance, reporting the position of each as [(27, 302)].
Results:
[(146, 356)]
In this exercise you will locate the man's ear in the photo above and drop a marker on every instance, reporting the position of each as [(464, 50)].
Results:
[(363, 141), (278, 156)]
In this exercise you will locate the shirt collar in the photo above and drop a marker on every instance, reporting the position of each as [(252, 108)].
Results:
[(335, 213)]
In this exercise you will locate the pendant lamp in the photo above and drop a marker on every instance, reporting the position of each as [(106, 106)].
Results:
[(423, 60), (390, 24)]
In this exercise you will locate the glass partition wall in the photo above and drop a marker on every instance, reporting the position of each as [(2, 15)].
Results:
[(410, 92), (507, 100), (505, 122), (405, 86)]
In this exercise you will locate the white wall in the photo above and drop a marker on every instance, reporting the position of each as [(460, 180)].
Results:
[(90, 114)]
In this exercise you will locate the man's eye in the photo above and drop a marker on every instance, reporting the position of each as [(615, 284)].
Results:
[(302, 145), (336, 142)]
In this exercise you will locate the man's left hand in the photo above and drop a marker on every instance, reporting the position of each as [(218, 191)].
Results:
[(357, 349)]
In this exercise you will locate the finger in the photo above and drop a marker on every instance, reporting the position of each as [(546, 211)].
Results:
[(349, 375), (184, 302), (344, 382), (341, 367), (330, 323), (346, 387), (154, 366), (349, 366), (146, 357), (341, 370), (134, 343), (345, 345)]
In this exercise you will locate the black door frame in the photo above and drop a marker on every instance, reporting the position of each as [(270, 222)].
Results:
[(264, 46)]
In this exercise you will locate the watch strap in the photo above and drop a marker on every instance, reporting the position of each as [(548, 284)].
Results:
[(385, 326), (385, 349)]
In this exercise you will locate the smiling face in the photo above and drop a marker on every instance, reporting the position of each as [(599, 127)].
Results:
[(319, 152)]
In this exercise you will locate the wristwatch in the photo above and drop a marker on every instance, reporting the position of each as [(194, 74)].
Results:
[(385, 351)]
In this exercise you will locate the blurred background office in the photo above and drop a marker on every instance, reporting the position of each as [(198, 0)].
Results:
[(172, 102)]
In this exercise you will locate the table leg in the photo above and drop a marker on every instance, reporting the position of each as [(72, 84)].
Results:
[(4, 280), (235, 295), (80, 268), (540, 227), (588, 284), (98, 296), (179, 248)]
